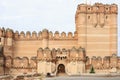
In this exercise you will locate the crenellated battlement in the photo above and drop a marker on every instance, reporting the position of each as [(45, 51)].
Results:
[(37, 36), (97, 8), (95, 21), (93, 44), (96, 15), (70, 54)]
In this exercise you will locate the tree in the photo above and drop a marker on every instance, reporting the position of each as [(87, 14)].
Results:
[(92, 70)]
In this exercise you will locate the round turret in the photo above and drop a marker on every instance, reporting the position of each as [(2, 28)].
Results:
[(63, 35), (70, 35), (9, 33), (50, 35), (34, 34), (56, 35), (28, 34), (45, 34), (22, 35), (16, 35), (1, 32), (114, 8), (40, 35), (75, 34), (40, 50)]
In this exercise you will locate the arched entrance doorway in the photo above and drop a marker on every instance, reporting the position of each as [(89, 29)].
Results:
[(61, 68)]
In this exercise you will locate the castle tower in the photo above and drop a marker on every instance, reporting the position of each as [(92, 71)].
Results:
[(2, 34), (96, 26), (45, 36), (8, 45), (2, 61)]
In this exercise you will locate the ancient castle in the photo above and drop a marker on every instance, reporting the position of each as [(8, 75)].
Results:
[(94, 43)]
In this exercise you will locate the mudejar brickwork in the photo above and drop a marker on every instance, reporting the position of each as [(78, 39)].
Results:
[(94, 43)]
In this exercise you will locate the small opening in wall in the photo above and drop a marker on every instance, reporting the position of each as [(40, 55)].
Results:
[(106, 17), (88, 17), (106, 8), (88, 8), (0, 39)]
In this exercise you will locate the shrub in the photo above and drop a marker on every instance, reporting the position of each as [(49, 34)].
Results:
[(92, 70)]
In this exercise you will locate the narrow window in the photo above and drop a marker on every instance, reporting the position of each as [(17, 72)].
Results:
[(106, 17), (106, 8), (88, 17)]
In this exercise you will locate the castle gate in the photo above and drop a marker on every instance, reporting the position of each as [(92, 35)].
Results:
[(61, 68)]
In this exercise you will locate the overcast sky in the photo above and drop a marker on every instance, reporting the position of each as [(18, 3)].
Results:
[(35, 15)]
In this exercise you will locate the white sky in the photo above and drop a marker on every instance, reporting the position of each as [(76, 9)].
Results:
[(35, 15)]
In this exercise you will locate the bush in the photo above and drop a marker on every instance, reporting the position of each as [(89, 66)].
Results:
[(92, 70)]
